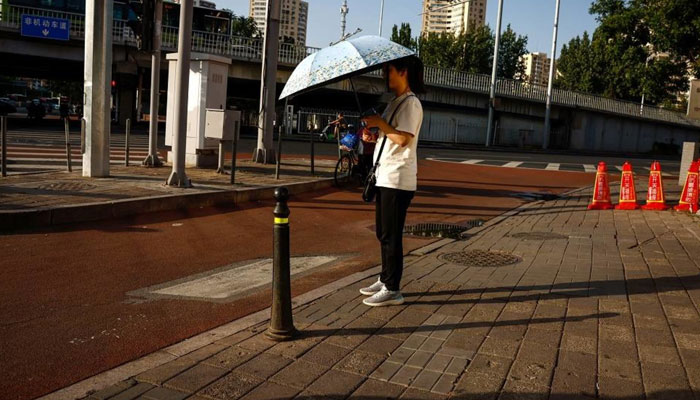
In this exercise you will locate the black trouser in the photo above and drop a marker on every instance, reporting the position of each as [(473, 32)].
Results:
[(392, 205)]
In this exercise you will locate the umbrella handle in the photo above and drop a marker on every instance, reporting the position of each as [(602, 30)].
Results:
[(357, 99)]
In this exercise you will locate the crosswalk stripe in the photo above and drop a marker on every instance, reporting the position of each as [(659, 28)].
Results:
[(589, 168), (513, 164), (553, 167), (471, 161)]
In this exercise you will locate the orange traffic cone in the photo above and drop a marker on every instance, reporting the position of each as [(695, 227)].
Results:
[(655, 195), (628, 193), (601, 190), (689, 198)]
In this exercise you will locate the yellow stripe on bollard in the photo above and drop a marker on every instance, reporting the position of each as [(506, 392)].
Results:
[(280, 221)]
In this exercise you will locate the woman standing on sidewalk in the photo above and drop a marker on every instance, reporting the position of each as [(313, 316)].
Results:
[(396, 173)]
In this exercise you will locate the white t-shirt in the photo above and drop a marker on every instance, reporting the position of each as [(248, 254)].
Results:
[(398, 166)]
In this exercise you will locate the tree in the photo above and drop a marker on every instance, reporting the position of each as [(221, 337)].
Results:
[(621, 60), (403, 36), (439, 50), (575, 66), (244, 26), (472, 51), (511, 50), (477, 51)]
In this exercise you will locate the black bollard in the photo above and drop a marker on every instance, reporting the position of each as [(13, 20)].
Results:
[(281, 323)]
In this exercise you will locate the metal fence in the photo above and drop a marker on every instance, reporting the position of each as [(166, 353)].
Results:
[(251, 49), (314, 120)]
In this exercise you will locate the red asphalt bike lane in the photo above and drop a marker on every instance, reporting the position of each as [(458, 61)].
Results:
[(65, 314)]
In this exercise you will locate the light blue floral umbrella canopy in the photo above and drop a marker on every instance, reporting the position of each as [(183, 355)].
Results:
[(341, 61)]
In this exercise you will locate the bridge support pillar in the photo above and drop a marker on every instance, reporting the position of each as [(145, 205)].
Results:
[(98, 77)]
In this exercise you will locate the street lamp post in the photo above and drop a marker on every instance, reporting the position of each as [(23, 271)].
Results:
[(492, 95), (644, 86), (548, 112), (381, 17)]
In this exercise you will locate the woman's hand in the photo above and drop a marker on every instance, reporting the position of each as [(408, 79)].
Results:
[(368, 136), (374, 121)]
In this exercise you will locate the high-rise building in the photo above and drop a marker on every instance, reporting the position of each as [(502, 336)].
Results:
[(452, 16), (537, 68), (293, 19)]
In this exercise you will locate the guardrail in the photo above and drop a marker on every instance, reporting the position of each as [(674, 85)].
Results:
[(251, 49)]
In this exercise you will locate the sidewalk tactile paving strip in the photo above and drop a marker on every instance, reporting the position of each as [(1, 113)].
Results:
[(481, 258)]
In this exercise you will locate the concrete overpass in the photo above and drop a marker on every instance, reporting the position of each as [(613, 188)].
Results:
[(455, 105)]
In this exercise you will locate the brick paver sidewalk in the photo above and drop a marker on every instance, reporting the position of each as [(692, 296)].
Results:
[(603, 304)]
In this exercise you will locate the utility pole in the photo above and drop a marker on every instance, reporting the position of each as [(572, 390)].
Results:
[(381, 17), (152, 159), (98, 77), (492, 95), (547, 123), (182, 80), (265, 152), (343, 14)]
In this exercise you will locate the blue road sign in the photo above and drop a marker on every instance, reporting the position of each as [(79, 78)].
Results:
[(45, 27)]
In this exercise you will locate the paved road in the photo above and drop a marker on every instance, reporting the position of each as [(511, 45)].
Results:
[(41, 149), (80, 299)]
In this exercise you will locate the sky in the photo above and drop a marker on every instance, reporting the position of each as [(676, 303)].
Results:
[(533, 18)]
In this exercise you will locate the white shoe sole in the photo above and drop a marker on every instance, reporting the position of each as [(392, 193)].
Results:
[(368, 292), (393, 302)]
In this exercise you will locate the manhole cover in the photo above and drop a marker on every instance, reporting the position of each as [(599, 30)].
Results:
[(443, 230), (538, 236), (66, 186), (481, 258)]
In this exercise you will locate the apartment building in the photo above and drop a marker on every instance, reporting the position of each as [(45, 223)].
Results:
[(537, 68), (293, 19), (452, 16)]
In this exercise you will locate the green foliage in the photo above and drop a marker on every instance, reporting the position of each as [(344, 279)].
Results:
[(470, 51), (511, 49), (641, 47), (403, 36), (244, 26)]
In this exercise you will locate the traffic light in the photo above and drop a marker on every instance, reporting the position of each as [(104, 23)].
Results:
[(142, 22)]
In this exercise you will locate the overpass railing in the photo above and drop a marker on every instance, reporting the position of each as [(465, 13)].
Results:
[(453, 79), (251, 49), (202, 42)]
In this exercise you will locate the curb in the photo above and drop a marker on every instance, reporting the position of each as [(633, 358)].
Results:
[(49, 216)]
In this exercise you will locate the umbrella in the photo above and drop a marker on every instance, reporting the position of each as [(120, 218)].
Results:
[(341, 61)]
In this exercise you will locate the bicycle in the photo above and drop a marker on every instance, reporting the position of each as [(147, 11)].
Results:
[(349, 168)]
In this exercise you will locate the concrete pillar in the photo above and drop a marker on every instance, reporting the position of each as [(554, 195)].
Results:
[(265, 151), (98, 77), (691, 151), (152, 159), (182, 76)]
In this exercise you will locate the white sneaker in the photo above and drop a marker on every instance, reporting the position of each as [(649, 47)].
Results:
[(373, 288), (384, 297)]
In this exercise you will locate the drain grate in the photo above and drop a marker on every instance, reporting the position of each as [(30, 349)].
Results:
[(538, 236), (66, 186), (481, 258), (443, 230)]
